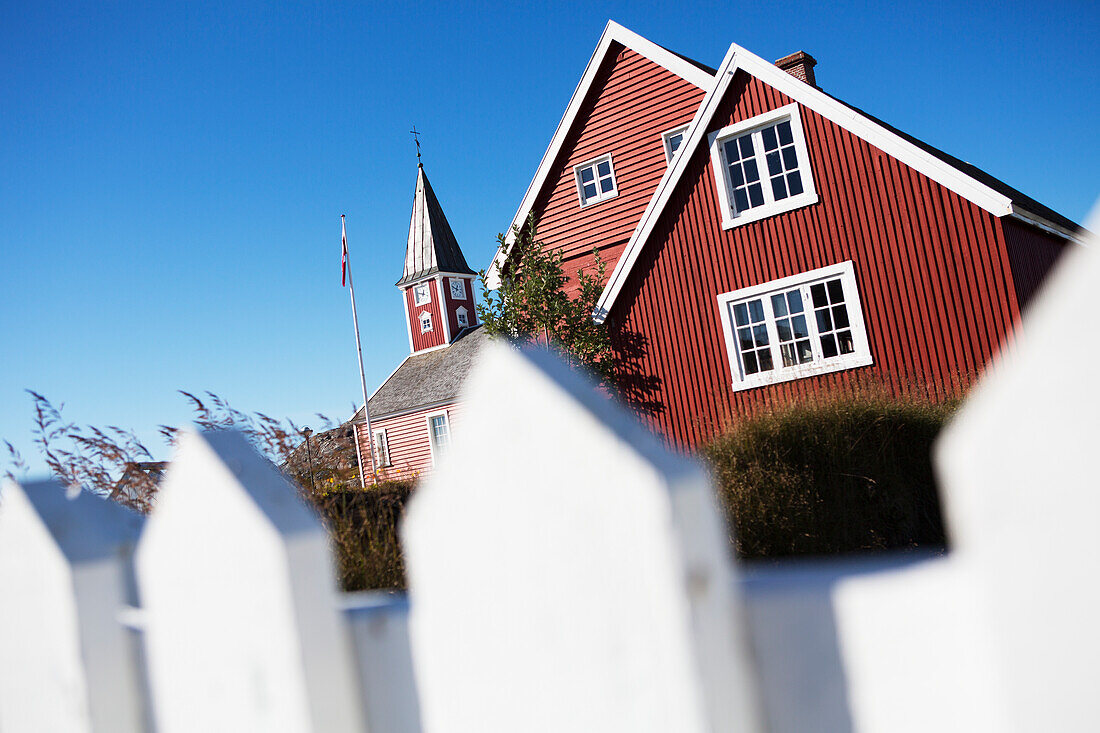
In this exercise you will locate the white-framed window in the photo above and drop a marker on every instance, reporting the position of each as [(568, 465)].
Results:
[(458, 289), (463, 317), (795, 327), (439, 433), (761, 167), (381, 448), (422, 293), (425, 321), (596, 180), (672, 140)]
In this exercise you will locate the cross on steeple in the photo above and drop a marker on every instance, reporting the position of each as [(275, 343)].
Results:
[(416, 138)]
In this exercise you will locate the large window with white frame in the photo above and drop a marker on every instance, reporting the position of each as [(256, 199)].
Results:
[(672, 141), (762, 167), (439, 434), (381, 448), (796, 327), (596, 180)]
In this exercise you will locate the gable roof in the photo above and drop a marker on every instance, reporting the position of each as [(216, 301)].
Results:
[(428, 377), (973, 184), (432, 246), (691, 71)]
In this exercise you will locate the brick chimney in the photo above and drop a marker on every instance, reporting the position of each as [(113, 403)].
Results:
[(800, 65)]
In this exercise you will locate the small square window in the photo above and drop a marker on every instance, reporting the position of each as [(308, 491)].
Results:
[(761, 167), (795, 327), (672, 141), (458, 289), (596, 181), (425, 322), (422, 293)]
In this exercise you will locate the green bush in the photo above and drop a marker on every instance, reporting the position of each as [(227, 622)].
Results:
[(835, 475)]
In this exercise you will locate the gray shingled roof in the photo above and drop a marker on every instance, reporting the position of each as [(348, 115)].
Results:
[(432, 245), (428, 378)]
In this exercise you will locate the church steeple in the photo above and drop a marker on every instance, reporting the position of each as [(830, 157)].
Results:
[(436, 282)]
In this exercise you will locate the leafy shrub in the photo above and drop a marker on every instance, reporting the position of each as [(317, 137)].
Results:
[(835, 475)]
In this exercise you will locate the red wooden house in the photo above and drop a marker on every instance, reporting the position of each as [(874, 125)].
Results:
[(414, 411), (770, 241)]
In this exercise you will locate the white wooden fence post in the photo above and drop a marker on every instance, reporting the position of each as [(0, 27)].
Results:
[(1023, 502), (567, 572), (237, 583), (66, 663)]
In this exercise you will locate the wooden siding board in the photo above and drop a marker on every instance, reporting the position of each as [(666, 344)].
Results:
[(934, 279), (435, 337), (1030, 255), (410, 446)]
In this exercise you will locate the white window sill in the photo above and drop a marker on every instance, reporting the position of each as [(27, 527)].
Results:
[(787, 374)]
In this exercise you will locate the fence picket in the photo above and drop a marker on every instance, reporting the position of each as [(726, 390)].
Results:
[(66, 663)]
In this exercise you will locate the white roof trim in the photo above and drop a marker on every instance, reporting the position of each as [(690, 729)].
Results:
[(612, 33), (889, 142)]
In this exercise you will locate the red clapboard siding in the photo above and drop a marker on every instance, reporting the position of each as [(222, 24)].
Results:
[(1031, 254), (435, 337), (410, 446), (632, 102), (452, 304), (933, 274)]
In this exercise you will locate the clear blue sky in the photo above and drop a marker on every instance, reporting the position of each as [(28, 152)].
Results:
[(172, 176)]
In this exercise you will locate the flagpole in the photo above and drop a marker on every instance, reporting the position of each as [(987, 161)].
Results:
[(362, 376)]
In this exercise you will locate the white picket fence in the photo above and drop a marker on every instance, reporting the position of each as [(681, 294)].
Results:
[(567, 573)]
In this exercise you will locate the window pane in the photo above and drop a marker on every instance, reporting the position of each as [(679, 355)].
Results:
[(794, 300), (805, 352), (774, 166), (751, 172), (606, 185), (846, 343), (744, 335), (736, 175), (788, 353), (779, 191), (840, 316), (604, 168), (798, 324), (756, 310), (768, 133), (794, 183), (674, 141), (836, 293), (589, 190), (824, 322), (761, 334), (785, 136), (745, 143), (765, 360), (783, 329), (828, 346), (779, 305), (741, 314), (756, 195), (750, 363), (817, 293), (733, 152), (790, 158), (740, 199), (587, 174)]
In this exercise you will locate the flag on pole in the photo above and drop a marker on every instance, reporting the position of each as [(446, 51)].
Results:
[(344, 253)]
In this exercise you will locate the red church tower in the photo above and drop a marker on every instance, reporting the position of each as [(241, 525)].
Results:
[(437, 283)]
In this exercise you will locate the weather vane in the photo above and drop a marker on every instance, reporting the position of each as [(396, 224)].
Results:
[(416, 137)]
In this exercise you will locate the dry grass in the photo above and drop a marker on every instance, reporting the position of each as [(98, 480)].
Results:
[(834, 475)]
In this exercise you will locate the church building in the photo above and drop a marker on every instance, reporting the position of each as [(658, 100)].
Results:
[(414, 412)]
